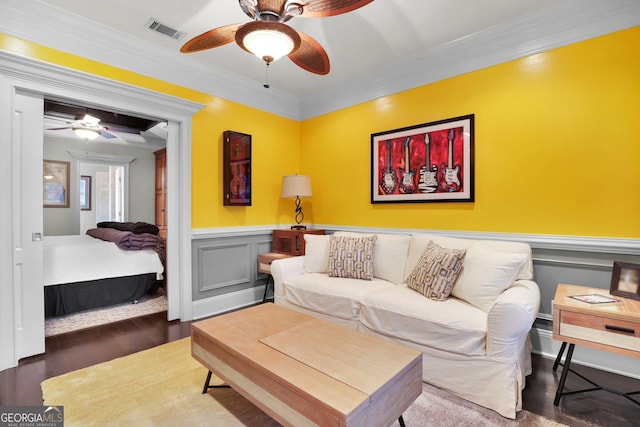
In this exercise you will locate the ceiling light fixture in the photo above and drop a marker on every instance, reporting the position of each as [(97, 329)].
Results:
[(86, 133), (268, 40)]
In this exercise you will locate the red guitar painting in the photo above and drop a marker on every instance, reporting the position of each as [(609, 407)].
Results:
[(408, 184), (451, 175)]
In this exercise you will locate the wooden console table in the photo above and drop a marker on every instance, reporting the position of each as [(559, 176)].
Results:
[(613, 327), (291, 242), (286, 243)]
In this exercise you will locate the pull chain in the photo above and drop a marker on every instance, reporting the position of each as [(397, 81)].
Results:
[(266, 77)]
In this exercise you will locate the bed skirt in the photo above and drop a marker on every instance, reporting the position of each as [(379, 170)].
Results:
[(74, 297)]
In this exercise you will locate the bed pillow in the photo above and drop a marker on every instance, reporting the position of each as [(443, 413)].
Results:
[(144, 227), (120, 226), (486, 275), (351, 257), (436, 271), (134, 227), (316, 253)]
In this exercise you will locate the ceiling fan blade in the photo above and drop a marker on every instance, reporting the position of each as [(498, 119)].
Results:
[(107, 135), (66, 127), (212, 38), (311, 56), (320, 8)]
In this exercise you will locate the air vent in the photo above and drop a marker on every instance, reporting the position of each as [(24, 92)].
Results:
[(154, 25)]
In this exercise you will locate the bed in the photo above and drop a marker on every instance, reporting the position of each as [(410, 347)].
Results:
[(83, 272)]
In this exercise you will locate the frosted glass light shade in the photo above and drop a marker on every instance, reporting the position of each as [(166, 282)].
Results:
[(269, 45), (86, 133)]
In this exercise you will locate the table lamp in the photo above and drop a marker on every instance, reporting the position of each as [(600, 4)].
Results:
[(296, 186)]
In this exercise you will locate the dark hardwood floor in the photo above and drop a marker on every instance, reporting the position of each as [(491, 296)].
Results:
[(76, 350)]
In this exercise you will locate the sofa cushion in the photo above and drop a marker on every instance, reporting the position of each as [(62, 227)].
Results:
[(316, 253), (419, 243), (452, 325), (389, 255), (526, 272), (351, 257), (338, 297), (486, 275), (436, 271)]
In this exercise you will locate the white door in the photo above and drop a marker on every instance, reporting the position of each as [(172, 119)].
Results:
[(27, 196)]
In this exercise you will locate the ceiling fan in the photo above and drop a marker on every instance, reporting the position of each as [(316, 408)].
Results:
[(87, 127), (269, 38)]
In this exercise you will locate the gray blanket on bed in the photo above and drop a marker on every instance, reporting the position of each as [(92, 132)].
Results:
[(129, 241)]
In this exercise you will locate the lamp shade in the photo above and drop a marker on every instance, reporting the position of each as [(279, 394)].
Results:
[(296, 186)]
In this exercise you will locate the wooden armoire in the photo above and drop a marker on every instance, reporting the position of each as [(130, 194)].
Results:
[(161, 191)]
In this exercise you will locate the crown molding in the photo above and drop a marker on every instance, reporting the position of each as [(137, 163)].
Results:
[(44, 24), (569, 22)]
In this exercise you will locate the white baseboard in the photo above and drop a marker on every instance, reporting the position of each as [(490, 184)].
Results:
[(545, 345), (227, 302)]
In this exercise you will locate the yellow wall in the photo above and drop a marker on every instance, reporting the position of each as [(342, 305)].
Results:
[(275, 143), (556, 146), (556, 142)]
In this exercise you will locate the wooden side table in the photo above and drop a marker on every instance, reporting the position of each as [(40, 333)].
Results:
[(291, 242), (264, 266), (610, 326), (286, 243)]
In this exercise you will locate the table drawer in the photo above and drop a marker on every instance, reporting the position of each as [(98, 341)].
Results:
[(600, 330)]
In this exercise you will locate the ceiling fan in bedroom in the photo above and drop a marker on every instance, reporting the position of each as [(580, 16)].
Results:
[(269, 38), (87, 127)]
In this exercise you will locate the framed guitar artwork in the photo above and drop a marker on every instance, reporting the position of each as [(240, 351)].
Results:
[(236, 168), (430, 162)]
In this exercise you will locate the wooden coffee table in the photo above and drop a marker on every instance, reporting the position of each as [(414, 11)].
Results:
[(306, 371)]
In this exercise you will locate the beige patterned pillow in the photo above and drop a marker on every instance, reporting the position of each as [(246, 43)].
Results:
[(437, 271), (351, 257)]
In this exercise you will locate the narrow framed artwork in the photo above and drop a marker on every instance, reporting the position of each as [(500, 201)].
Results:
[(236, 168), (55, 183), (85, 193), (625, 280), (430, 162)]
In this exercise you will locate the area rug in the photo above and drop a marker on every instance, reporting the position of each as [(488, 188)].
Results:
[(163, 387), (90, 318)]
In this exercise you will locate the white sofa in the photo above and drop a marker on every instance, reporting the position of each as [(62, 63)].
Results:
[(475, 343)]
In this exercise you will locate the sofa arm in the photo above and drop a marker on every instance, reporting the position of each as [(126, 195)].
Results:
[(281, 270), (511, 318)]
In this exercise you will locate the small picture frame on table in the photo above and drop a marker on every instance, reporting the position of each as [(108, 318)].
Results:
[(625, 280)]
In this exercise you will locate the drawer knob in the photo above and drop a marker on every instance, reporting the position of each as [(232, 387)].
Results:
[(613, 328)]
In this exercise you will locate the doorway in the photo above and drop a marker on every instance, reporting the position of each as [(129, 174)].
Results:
[(23, 74)]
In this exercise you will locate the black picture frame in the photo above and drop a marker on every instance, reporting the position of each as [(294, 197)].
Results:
[(236, 168), (429, 162), (625, 280)]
